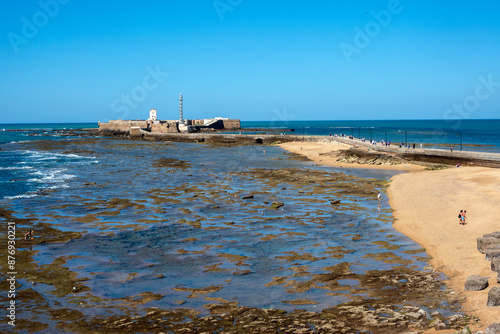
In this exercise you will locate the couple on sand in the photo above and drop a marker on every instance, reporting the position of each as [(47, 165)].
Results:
[(462, 217)]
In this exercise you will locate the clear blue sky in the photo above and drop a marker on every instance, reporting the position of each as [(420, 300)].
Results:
[(250, 59)]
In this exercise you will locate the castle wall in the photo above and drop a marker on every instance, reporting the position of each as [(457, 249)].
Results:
[(135, 131), (163, 127), (232, 124), (124, 126), (121, 125)]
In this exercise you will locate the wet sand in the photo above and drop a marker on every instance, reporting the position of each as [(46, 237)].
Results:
[(426, 205)]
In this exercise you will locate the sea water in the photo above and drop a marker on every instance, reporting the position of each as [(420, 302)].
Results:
[(170, 230), (475, 135)]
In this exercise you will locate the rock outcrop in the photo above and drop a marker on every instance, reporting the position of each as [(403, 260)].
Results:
[(476, 283), (494, 297), (493, 329)]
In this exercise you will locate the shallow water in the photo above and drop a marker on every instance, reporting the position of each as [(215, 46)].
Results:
[(184, 232)]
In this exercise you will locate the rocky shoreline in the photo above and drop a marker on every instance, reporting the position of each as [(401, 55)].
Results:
[(352, 156), (388, 308)]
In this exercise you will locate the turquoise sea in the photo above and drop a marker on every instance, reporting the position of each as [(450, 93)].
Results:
[(475, 135), (16, 163)]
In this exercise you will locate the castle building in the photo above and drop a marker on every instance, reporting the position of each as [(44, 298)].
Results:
[(154, 125)]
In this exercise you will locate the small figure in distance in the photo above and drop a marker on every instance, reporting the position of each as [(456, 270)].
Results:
[(458, 165), (29, 235), (460, 217), (464, 217), (379, 197)]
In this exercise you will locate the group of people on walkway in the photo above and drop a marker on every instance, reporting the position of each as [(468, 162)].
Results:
[(462, 216)]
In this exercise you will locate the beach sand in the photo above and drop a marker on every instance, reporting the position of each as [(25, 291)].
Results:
[(426, 206), (325, 153)]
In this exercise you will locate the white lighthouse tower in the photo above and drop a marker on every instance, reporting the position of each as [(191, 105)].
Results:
[(181, 114), (153, 116)]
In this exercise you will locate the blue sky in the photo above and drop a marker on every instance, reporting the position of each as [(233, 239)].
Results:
[(89, 61)]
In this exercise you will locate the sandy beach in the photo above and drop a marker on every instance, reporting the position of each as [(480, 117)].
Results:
[(325, 153), (426, 206)]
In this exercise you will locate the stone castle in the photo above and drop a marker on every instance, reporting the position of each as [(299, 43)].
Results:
[(153, 125)]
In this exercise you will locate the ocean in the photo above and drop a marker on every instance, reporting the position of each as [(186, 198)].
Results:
[(193, 226), (475, 135), (34, 171)]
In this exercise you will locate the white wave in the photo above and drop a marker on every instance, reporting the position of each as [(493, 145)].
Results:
[(18, 141), (16, 168), (51, 176), (29, 195), (45, 156)]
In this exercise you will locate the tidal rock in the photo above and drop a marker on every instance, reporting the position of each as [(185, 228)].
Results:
[(493, 329), (455, 320), (414, 312), (492, 235), (466, 330), (277, 205), (437, 324), (495, 264), (476, 283), (247, 197), (492, 253), (335, 202), (494, 297), (487, 242)]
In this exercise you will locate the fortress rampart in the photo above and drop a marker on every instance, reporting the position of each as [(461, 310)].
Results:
[(154, 126)]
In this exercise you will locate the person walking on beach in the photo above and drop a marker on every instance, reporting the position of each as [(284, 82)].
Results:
[(464, 217), (460, 217)]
